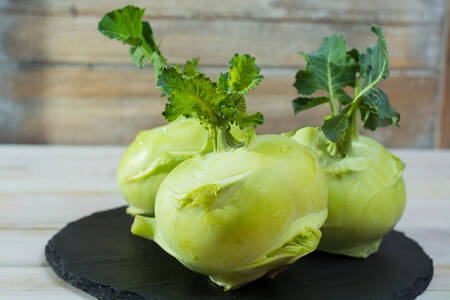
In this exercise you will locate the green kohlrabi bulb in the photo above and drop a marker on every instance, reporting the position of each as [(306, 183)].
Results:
[(152, 155), (366, 193), (236, 215)]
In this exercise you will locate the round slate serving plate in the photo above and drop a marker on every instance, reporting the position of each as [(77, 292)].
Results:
[(99, 255)]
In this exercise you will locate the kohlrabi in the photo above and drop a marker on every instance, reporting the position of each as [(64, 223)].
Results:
[(250, 206), (154, 153), (366, 192), (237, 215)]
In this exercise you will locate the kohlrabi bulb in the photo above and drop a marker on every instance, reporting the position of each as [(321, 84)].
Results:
[(236, 215), (152, 155), (366, 193)]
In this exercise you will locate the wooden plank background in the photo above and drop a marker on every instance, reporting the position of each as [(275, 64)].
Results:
[(444, 130), (61, 82)]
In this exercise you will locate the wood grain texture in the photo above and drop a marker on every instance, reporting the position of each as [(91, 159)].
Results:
[(444, 124), (35, 283), (432, 295), (24, 247), (76, 40), (44, 187), (286, 10), (62, 82), (104, 105), (52, 180)]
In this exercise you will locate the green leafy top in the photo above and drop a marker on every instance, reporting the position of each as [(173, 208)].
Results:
[(328, 69), (190, 92), (126, 25), (242, 77), (190, 68), (333, 68)]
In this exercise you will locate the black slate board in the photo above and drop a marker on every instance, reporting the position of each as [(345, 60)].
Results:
[(99, 255)]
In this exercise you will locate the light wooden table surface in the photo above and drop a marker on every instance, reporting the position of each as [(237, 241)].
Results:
[(44, 187)]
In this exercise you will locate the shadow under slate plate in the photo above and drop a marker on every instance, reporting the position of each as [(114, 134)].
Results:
[(99, 255)]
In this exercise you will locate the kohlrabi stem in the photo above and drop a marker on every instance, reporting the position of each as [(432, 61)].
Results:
[(231, 141), (352, 131), (214, 135), (354, 126), (357, 97), (223, 140), (334, 109)]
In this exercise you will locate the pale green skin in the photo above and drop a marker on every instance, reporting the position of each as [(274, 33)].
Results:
[(151, 157), (154, 154), (366, 193), (239, 214)]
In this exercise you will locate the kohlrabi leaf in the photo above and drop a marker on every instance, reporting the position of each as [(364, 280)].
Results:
[(235, 110), (243, 75), (190, 68), (222, 82), (190, 93), (242, 119), (375, 62), (334, 126), (355, 55), (252, 120), (302, 103), (126, 25), (378, 100), (376, 110), (330, 68), (342, 97), (190, 96), (197, 96), (372, 120), (305, 83)]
